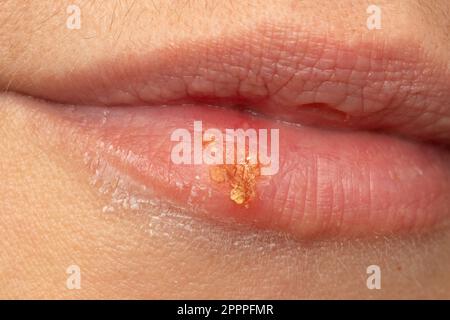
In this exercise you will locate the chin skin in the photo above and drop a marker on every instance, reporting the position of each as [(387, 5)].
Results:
[(52, 215)]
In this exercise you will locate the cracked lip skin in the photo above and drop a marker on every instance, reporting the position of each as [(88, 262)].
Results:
[(363, 141)]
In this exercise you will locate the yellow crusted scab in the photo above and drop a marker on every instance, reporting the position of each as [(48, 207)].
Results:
[(240, 177), (237, 194), (217, 174)]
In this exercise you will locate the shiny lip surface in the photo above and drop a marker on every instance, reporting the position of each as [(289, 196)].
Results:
[(332, 181)]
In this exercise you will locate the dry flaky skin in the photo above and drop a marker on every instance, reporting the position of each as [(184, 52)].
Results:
[(241, 178)]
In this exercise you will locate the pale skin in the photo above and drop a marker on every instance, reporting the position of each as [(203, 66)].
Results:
[(51, 217)]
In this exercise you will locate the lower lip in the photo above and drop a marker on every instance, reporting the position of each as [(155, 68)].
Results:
[(329, 183)]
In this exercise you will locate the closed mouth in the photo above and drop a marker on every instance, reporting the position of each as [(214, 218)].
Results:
[(363, 131)]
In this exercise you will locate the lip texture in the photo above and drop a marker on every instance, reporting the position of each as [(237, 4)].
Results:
[(345, 113), (280, 71)]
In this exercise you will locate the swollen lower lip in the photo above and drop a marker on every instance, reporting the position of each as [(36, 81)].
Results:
[(329, 183)]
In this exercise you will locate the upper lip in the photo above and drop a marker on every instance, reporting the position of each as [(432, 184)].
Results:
[(397, 88)]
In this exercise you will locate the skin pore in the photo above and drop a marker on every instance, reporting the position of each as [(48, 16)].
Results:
[(53, 216)]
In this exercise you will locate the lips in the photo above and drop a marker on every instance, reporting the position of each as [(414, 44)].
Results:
[(362, 130)]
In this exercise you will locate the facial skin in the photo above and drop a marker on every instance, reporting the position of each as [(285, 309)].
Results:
[(52, 217)]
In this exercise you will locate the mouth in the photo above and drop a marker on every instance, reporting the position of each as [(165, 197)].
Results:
[(363, 130)]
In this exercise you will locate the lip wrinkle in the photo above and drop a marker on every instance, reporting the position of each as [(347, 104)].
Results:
[(379, 84)]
